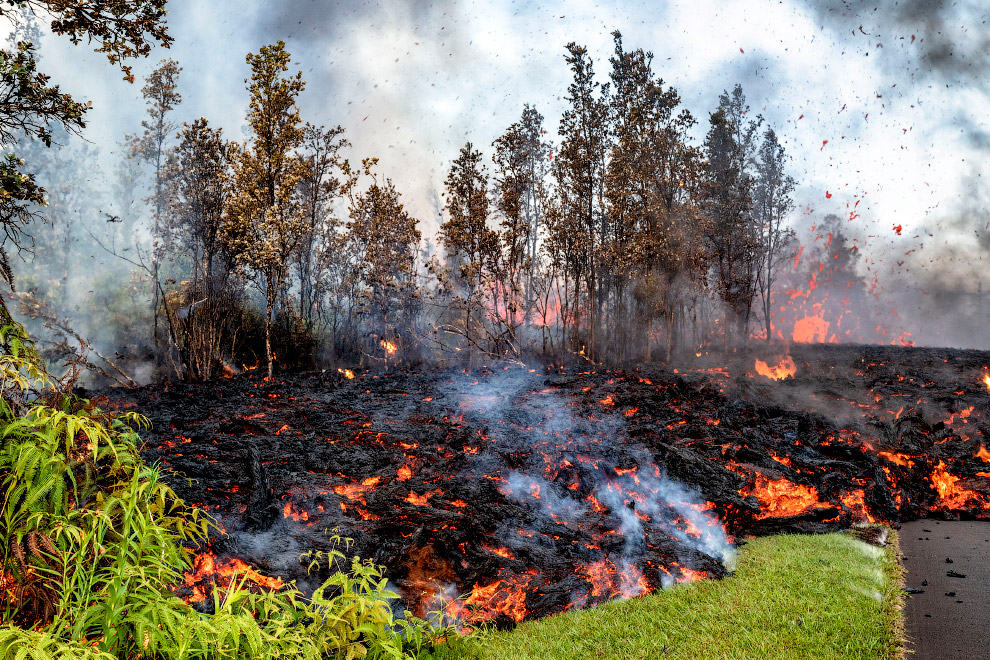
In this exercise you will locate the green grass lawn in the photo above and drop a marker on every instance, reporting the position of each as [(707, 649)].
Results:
[(817, 597)]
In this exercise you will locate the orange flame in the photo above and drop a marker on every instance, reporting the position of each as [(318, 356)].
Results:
[(783, 369), (347, 373), (389, 347)]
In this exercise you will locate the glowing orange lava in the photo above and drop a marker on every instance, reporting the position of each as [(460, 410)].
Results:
[(950, 494), (691, 575), (855, 501), (783, 369), (810, 330), (356, 491), (421, 500), (289, 511), (781, 498), (600, 575), (506, 596), (898, 458), (501, 552), (206, 568)]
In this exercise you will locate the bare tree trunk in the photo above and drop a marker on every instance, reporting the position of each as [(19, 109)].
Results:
[(269, 307)]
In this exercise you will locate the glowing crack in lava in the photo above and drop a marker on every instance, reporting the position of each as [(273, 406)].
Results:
[(783, 369)]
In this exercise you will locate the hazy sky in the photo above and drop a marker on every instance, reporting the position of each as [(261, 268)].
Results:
[(884, 103)]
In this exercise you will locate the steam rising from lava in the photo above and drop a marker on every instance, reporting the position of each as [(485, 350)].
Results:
[(641, 502)]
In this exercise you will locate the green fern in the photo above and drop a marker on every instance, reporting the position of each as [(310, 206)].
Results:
[(19, 644), (92, 541)]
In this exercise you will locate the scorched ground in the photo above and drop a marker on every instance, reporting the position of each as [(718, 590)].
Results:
[(531, 491)]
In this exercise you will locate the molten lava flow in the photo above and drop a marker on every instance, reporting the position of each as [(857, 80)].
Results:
[(632, 582), (421, 500), (962, 414), (504, 596), (950, 494), (986, 381), (983, 454), (783, 369), (601, 575), (207, 571), (404, 472), (855, 501), (780, 497), (501, 552), (691, 575), (355, 491), (289, 511), (607, 581), (810, 330), (897, 458)]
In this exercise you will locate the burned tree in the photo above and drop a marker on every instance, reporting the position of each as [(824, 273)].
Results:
[(727, 200), (771, 205), (264, 223), (161, 96), (319, 187), (382, 239), (651, 176), (203, 310), (473, 248), (579, 170), (521, 159)]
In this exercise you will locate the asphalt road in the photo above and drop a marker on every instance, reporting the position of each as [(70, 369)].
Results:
[(951, 619)]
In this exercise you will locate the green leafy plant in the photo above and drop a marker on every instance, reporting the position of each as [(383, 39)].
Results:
[(92, 541)]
